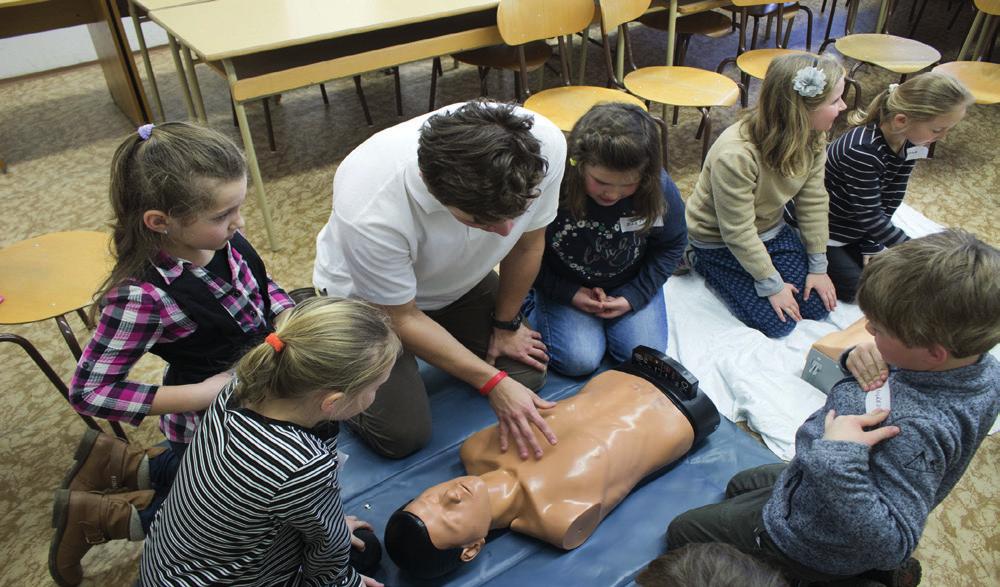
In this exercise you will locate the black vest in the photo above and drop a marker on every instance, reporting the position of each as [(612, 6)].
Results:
[(218, 341)]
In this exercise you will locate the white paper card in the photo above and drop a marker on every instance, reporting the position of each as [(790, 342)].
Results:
[(916, 152), (878, 398)]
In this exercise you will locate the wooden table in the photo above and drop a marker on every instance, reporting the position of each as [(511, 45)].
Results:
[(46, 277), (274, 46), (103, 20)]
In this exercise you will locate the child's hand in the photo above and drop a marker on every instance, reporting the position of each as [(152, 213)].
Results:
[(852, 428), (867, 366), (353, 523), (615, 307), (823, 285), (784, 303), (587, 300), (369, 582)]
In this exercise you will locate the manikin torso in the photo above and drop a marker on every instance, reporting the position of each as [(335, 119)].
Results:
[(617, 430)]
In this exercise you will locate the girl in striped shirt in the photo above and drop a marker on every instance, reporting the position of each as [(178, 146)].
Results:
[(257, 498), (868, 167)]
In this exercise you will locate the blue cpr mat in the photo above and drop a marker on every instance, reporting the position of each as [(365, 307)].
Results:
[(631, 536)]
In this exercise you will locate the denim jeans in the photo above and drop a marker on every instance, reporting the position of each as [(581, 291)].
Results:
[(162, 471), (577, 341)]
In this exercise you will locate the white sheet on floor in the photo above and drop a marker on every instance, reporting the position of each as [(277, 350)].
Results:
[(750, 377)]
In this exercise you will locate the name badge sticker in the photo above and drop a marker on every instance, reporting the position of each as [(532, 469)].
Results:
[(916, 152), (634, 223), (878, 398)]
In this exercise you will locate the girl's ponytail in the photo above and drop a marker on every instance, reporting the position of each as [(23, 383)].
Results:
[(923, 97)]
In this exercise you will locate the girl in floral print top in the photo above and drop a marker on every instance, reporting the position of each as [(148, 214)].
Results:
[(618, 236)]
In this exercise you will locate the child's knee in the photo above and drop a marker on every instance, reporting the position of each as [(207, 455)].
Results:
[(576, 364), (775, 328)]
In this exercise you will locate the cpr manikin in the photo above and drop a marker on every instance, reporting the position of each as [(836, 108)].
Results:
[(618, 429)]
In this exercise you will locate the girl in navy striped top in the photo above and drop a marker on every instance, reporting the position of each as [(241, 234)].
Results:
[(257, 499), (868, 167)]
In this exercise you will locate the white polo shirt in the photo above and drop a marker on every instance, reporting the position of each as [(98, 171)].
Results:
[(390, 241)]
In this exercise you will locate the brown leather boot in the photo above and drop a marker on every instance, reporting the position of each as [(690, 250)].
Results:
[(108, 463), (83, 519)]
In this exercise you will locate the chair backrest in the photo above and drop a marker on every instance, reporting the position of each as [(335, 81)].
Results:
[(746, 3), (615, 13), (989, 6), (523, 21)]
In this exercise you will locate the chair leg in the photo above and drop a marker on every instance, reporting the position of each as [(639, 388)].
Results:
[(435, 66), (809, 26), (517, 85), (232, 109), (745, 98), (322, 90), (701, 125), (857, 91), (361, 97), (753, 39), (268, 124), (85, 318), (399, 91), (788, 34), (673, 120), (706, 124), (484, 90)]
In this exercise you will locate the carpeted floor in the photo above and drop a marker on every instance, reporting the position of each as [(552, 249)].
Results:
[(57, 133)]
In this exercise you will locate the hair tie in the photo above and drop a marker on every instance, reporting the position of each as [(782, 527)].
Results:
[(145, 131), (892, 88), (809, 82), (276, 343), (572, 162)]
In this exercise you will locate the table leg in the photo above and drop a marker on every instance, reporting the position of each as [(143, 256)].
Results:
[(175, 52), (145, 58), (671, 32), (192, 77), (251, 154)]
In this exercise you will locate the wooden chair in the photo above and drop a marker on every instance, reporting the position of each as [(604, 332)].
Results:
[(685, 86), (503, 57), (983, 32), (708, 23), (525, 21), (769, 11), (980, 77), (896, 54), (754, 63)]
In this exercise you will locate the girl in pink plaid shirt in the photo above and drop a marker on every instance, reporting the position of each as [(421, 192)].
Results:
[(187, 287)]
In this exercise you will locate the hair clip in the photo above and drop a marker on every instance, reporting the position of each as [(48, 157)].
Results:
[(276, 343), (809, 82), (572, 162), (145, 131)]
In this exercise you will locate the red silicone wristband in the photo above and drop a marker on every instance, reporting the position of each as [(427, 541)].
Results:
[(489, 385)]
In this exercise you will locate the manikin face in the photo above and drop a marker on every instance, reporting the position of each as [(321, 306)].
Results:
[(825, 114), (457, 512), (925, 132), (606, 186), (211, 229), (502, 227)]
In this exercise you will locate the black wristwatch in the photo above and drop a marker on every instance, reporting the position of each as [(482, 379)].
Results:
[(512, 325)]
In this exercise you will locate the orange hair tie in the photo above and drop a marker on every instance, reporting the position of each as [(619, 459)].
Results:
[(276, 343)]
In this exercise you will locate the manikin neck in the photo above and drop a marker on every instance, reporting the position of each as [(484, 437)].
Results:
[(505, 497)]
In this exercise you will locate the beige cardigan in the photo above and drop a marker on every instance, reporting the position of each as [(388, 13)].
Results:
[(738, 197)]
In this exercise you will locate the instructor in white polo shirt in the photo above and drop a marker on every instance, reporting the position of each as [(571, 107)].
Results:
[(423, 212)]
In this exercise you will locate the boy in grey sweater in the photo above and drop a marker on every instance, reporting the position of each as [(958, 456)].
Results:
[(888, 445)]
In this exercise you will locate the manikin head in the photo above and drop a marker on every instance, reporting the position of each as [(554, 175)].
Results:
[(442, 528)]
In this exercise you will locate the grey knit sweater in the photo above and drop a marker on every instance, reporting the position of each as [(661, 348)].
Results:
[(842, 508)]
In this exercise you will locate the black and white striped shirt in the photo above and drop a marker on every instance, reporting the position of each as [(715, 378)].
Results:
[(256, 502), (866, 181)]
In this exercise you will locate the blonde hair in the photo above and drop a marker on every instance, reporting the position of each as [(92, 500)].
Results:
[(175, 171), (939, 289), (921, 98), (780, 125), (329, 344)]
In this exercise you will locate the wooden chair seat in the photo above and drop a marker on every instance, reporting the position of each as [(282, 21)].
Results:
[(683, 86), (982, 78), (897, 54), (565, 105), (709, 23), (505, 56), (685, 7), (756, 62)]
